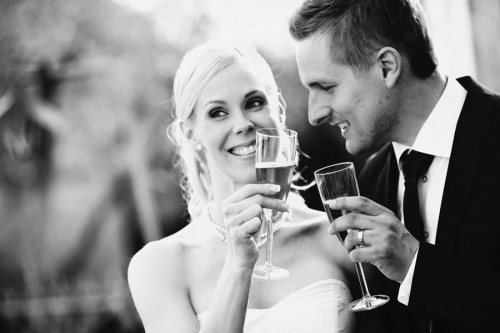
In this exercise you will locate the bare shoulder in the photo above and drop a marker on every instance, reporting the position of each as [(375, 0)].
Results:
[(301, 213), (157, 268), (155, 277), (166, 256), (312, 227), (157, 257), (306, 220)]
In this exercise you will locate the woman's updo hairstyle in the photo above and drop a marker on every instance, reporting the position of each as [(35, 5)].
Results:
[(197, 68)]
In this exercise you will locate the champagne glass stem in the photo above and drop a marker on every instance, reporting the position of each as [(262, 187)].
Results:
[(269, 244), (360, 273), (362, 279), (268, 271)]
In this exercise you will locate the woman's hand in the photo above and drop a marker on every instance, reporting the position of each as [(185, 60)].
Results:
[(242, 219)]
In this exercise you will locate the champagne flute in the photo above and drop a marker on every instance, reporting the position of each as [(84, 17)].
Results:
[(335, 181), (275, 153)]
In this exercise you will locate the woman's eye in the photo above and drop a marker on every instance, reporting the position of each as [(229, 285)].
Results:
[(216, 113), (255, 103)]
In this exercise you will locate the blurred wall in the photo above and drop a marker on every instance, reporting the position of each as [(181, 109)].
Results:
[(486, 29), (85, 168), (465, 34)]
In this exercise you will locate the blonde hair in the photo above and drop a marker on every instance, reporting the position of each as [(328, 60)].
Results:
[(197, 68)]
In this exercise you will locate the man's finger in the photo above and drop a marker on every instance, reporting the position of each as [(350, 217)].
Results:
[(353, 220), (357, 237), (358, 204), (361, 254)]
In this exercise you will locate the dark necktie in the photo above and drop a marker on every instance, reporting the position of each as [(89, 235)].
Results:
[(414, 164)]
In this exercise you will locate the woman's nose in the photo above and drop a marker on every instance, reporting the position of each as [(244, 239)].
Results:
[(243, 125)]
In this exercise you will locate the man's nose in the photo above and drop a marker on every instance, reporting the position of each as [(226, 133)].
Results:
[(318, 113)]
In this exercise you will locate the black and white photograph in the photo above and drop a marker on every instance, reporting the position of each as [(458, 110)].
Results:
[(264, 166)]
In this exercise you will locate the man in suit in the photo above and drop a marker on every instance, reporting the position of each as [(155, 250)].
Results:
[(434, 236)]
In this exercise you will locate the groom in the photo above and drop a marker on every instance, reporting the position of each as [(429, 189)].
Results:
[(431, 224)]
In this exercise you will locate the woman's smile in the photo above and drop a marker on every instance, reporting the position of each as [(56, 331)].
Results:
[(243, 150)]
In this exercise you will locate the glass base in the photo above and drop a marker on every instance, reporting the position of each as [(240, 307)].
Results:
[(270, 272), (368, 303)]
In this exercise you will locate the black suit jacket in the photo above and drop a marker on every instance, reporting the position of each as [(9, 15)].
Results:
[(457, 281)]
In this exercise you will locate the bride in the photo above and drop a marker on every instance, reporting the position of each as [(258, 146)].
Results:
[(200, 279)]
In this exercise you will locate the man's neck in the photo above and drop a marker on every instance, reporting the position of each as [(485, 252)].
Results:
[(419, 99)]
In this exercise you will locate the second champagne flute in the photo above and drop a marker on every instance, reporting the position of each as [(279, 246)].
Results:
[(275, 153), (336, 181)]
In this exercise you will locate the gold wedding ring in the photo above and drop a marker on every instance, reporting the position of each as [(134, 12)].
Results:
[(360, 238)]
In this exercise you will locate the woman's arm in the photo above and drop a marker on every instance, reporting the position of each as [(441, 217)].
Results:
[(229, 305), (241, 214), (157, 281), (160, 294)]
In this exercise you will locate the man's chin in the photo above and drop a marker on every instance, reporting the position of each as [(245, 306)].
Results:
[(355, 148), (361, 149)]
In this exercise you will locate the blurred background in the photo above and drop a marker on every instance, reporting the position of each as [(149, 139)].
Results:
[(86, 175)]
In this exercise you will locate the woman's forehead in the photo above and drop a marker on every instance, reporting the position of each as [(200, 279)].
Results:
[(236, 80)]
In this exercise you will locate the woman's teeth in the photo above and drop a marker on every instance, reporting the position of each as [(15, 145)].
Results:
[(243, 151)]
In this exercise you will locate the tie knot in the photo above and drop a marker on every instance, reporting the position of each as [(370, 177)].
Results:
[(414, 164)]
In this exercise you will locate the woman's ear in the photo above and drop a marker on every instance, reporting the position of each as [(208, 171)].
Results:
[(187, 130), (390, 62), (189, 134)]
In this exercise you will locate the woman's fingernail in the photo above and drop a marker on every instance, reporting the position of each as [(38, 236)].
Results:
[(332, 203), (275, 188)]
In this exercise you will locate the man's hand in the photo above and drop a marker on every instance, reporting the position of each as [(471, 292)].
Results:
[(388, 244)]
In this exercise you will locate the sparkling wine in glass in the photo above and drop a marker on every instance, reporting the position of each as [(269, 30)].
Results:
[(274, 162), (336, 181)]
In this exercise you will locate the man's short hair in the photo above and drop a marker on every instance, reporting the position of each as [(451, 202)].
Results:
[(357, 29)]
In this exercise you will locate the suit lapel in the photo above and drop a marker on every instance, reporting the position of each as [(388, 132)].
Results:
[(465, 159)]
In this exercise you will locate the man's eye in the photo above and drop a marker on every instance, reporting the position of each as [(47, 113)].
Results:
[(326, 88)]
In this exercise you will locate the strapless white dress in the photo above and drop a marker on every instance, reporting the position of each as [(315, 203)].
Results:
[(320, 307)]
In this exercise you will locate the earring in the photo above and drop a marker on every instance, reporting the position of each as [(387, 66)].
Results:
[(198, 147)]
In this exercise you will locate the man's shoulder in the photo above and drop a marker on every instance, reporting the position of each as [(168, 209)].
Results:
[(479, 99), (473, 86), (476, 88)]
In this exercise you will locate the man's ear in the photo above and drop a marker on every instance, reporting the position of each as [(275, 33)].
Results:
[(390, 62)]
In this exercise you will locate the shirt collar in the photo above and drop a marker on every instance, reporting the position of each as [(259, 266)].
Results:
[(436, 135)]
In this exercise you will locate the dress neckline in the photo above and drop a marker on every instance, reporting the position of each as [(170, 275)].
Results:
[(293, 294)]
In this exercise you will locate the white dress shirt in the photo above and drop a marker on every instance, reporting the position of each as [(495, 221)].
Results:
[(434, 138)]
